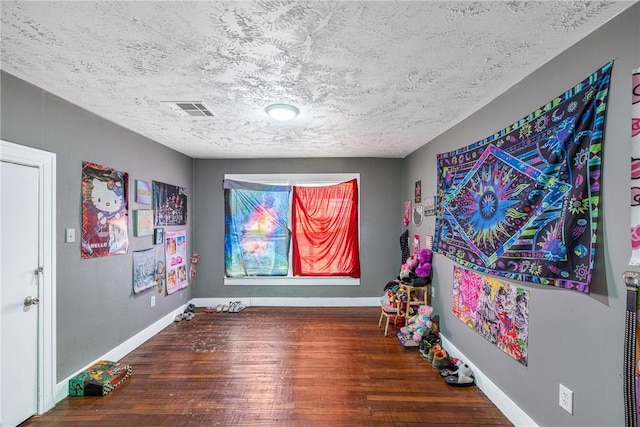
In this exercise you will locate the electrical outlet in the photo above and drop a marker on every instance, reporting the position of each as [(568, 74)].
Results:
[(566, 399), (153, 301)]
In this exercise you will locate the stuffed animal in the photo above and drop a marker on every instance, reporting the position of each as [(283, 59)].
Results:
[(423, 268), (407, 269), (419, 324)]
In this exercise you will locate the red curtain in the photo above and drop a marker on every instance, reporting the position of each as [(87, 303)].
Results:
[(325, 230)]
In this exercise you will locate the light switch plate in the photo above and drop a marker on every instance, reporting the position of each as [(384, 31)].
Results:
[(70, 235)]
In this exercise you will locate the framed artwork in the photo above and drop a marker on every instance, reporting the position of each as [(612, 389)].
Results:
[(143, 192), (429, 206), (142, 222), (418, 192), (158, 236)]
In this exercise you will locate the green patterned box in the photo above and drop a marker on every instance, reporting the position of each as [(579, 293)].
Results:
[(99, 379)]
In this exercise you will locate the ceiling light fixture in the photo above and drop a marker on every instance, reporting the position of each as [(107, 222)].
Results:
[(282, 112)]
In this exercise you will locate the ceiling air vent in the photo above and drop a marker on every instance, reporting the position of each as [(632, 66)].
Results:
[(193, 108)]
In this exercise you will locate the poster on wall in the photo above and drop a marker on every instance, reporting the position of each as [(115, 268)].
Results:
[(104, 211), (176, 260), (148, 269), (169, 204), (496, 310), (523, 203), (143, 192), (406, 206)]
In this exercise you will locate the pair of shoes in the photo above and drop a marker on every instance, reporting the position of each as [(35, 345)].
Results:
[(189, 315), (462, 378), (236, 306), (432, 351), (179, 317), (209, 309), (440, 359), (190, 308), (424, 347)]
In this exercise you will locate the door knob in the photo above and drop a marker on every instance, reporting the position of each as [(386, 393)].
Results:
[(31, 301)]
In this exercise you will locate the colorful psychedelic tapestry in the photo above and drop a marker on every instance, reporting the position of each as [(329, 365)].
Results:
[(496, 310), (523, 203), (105, 223), (257, 235)]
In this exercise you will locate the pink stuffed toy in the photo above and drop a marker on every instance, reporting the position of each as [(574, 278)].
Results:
[(419, 324), (407, 269), (424, 263)]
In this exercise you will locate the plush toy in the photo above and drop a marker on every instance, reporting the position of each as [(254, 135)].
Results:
[(407, 269), (419, 324), (423, 268)]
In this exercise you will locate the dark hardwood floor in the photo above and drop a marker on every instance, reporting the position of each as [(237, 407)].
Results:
[(278, 366)]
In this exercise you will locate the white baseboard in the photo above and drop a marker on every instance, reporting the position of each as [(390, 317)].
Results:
[(291, 302), (507, 406), (62, 388)]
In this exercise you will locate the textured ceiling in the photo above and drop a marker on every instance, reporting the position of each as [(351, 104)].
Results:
[(372, 79)]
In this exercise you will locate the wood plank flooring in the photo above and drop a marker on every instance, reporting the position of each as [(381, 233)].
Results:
[(278, 366)]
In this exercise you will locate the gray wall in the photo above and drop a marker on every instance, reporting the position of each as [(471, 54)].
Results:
[(574, 339), (380, 217), (96, 307)]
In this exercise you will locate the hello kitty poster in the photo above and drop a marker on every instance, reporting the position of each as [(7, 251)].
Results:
[(104, 211)]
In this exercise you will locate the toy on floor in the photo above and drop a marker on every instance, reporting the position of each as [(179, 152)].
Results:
[(419, 324)]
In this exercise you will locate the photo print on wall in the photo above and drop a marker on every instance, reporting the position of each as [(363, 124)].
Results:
[(169, 204)]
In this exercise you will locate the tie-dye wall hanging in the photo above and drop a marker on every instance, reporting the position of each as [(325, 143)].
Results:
[(523, 203), (496, 310)]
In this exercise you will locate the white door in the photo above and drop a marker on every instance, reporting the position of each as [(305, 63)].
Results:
[(19, 239)]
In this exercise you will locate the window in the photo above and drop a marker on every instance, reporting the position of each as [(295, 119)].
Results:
[(292, 229)]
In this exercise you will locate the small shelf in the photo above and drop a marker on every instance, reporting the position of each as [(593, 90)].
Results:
[(415, 296)]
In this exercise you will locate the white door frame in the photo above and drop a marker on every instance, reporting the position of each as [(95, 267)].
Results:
[(46, 164)]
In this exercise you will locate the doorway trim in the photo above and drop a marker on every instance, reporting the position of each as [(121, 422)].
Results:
[(46, 164)]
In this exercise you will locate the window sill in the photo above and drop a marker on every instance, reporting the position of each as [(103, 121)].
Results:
[(291, 281)]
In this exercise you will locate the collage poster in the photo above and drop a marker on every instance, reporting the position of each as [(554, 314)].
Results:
[(104, 211), (496, 310), (176, 260)]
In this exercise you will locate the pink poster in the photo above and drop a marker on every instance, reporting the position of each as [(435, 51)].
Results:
[(176, 260)]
